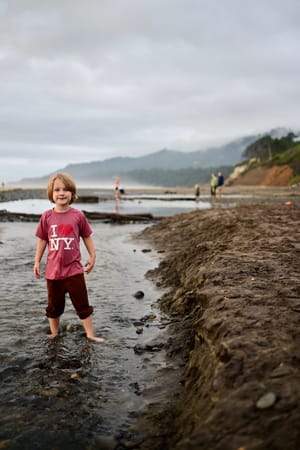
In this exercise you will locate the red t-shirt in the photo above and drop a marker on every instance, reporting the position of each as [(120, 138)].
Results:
[(62, 231)]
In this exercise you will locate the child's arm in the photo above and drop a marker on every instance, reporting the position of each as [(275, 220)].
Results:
[(89, 243), (40, 248)]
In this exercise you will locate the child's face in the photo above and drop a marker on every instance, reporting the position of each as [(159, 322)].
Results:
[(61, 195)]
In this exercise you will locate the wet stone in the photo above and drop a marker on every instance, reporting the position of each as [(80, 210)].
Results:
[(105, 442), (139, 295), (74, 376), (51, 392), (138, 323), (154, 346), (135, 388), (266, 401), (69, 328), (139, 330), (148, 318)]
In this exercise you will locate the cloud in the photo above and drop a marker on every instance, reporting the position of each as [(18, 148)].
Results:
[(86, 81)]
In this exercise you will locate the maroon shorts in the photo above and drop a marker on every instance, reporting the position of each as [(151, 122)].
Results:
[(77, 290)]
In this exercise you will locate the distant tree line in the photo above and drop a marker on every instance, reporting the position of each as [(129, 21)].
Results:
[(267, 147)]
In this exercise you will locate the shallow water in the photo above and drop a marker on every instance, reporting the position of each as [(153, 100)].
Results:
[(70, 393), (158, 208)]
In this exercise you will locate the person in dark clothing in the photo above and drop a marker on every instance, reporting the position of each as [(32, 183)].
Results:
[(220, 184), (197, 192)]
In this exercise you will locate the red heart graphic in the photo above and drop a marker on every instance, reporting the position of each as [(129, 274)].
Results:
[(65, 229)]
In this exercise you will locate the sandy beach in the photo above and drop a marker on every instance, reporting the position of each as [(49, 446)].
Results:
[(234, 300)]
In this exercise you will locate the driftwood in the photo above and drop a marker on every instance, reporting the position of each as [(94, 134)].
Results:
[(6, 216), (114, 217)]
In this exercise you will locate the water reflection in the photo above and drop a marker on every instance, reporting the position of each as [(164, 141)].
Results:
[(158, 208)]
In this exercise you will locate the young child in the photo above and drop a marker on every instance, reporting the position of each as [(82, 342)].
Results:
[(60, 229)]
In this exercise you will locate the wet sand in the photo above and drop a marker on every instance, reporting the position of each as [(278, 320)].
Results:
[(234, 304)]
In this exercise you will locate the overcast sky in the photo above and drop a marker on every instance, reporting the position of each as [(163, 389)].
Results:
[(84, 80)]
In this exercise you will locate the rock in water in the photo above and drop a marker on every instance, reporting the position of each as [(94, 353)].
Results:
[(139, 294)]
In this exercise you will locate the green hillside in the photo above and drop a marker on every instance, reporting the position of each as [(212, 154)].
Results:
[(291, 158), (270, 162)]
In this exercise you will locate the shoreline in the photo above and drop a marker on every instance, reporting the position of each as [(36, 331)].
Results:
[(234, 300), (22, 193)]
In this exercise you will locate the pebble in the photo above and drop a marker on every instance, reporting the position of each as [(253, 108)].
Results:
[(51, 392), (69, 328), (139, 294), (266, 401), (74, 376)]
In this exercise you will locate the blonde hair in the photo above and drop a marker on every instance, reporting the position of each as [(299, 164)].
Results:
[(68, 182)]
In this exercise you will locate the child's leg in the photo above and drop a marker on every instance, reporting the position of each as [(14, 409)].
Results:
[(56, 304), (54, 326), (89, 329), (79, 296)]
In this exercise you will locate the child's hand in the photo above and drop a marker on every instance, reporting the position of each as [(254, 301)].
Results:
[(89, 265), (37, 270)]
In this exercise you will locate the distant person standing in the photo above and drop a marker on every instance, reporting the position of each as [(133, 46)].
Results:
[(197, 192), (213, 185), (117, 193), (117, 188), (220, 184)]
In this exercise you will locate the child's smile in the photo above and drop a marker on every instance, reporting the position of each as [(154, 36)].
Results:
[(61, 195)]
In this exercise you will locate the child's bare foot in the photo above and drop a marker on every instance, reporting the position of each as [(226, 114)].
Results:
[(95, 339), (52, 336)]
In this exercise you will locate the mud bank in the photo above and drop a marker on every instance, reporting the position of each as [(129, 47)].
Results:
[(234, 304)]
